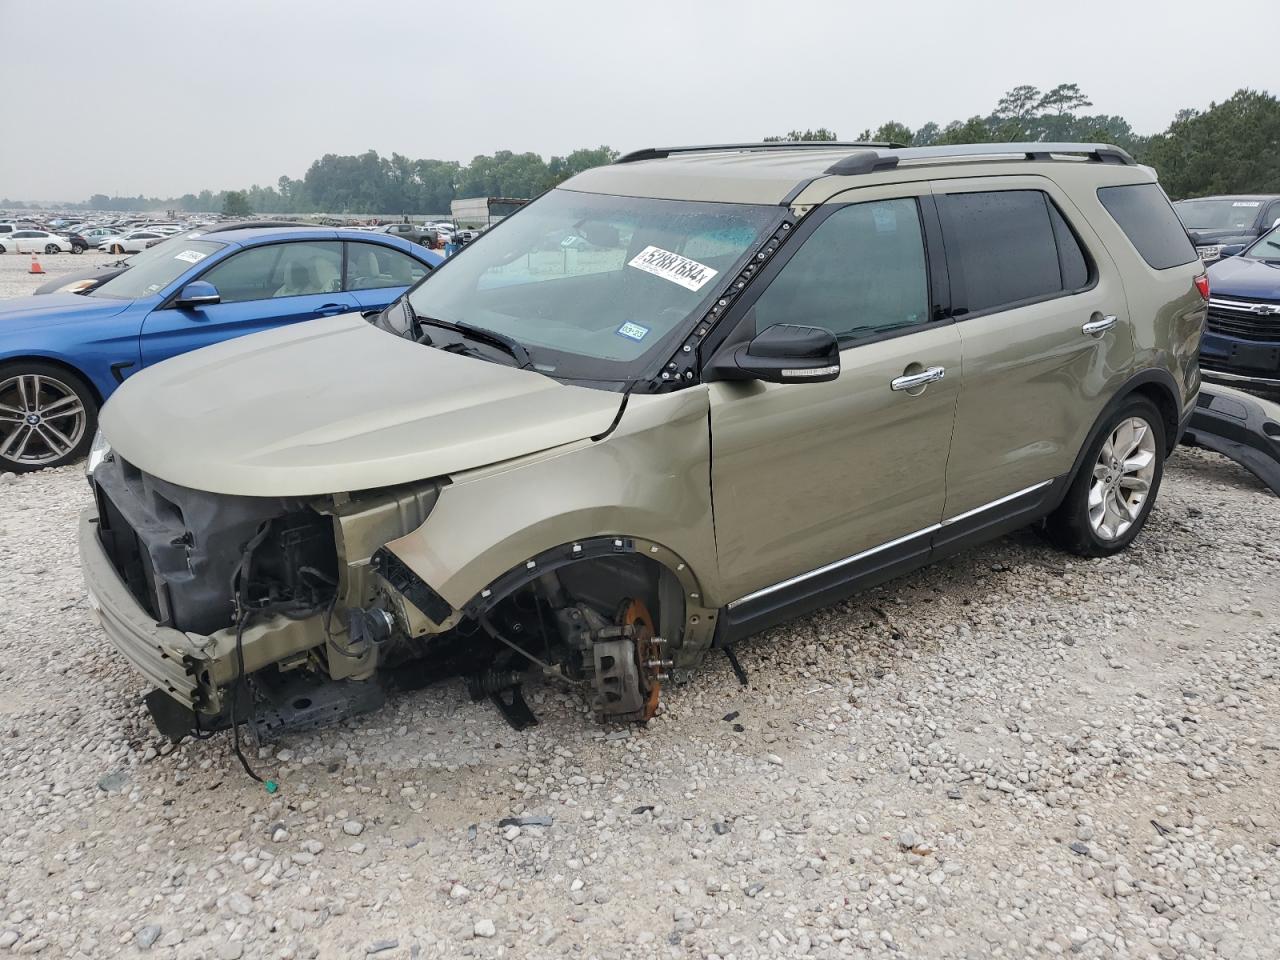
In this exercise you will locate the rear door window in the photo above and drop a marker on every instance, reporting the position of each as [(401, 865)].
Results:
[(1009, 247), (1143, 212)]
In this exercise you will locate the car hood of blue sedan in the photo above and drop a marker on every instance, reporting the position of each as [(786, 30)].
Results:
[(33, 313), (1245, 277)]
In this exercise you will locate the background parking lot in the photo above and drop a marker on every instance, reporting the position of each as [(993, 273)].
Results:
[(1011, 753)]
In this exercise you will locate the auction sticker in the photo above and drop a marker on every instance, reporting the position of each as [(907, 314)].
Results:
[(1247, 203), (633, 331), (189, 256), (689, 274)]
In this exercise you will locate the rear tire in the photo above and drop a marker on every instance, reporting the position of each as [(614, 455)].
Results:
[(66, 410), (77, 248), (51, 248), (1109, 500)]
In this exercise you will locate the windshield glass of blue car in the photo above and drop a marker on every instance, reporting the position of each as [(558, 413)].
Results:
[(154, 269), (1218, 214), (594, 287), (1267, 247)]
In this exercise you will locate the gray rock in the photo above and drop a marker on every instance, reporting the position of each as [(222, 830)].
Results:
[(485, 928), (147, 936)]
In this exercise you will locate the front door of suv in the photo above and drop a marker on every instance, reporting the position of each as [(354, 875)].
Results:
[(1044, 324), (808, 478)]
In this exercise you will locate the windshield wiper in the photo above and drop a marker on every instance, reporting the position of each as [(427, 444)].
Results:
[(500, 340)]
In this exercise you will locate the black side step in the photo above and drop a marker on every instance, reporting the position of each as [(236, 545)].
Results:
[(1239, 426)]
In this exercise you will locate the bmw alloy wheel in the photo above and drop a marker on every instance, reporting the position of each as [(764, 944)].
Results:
[(1122, 478), (42, 419)]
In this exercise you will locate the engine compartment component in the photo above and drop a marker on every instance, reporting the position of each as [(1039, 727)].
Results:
[(286, 614)]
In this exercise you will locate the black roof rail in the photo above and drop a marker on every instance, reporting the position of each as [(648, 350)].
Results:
[(659, 153), (869, 160)]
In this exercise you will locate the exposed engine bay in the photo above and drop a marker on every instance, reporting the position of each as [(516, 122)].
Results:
[(288, 614)]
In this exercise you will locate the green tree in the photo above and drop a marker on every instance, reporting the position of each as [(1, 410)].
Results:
[(822, 133), (1233, 147), (891, 132), (236, 204)]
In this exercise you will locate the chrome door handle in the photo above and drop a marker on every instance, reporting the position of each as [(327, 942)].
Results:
[(910, 381), (1096, 328)]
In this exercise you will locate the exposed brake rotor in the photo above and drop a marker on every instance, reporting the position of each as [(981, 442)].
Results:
[(650, 664)]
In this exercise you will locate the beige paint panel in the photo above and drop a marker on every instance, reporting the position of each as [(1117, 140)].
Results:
[(337, 405), (1033, 382), (648, 479), (806, 474)]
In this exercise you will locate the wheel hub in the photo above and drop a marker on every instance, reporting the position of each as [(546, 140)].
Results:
[(1122, 478)]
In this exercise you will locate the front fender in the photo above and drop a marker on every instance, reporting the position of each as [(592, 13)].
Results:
[(648, 480)]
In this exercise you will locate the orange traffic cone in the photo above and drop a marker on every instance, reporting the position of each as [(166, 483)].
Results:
[(35, 265)]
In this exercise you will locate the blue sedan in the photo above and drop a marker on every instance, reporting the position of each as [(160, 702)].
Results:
[(62, 355)]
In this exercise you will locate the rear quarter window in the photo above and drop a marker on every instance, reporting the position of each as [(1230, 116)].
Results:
[(1143, 212)]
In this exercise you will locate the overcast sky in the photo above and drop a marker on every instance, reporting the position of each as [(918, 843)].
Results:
[(162, 97)]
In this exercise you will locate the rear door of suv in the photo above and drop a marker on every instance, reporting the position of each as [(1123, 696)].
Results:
[(1044, 326), (816, 485)]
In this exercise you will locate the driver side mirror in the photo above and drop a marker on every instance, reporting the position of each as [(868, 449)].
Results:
[(782, 353), (198, 293)]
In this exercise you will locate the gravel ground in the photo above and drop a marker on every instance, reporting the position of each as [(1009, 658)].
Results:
[(1013, 753), (15, 279)]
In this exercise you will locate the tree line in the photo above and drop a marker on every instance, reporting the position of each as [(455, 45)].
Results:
[(1231, 147)]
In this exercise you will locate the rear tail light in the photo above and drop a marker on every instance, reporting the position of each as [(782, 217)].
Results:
[(1202, 284)]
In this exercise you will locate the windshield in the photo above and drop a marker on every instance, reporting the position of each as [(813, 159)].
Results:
[(1218, 214), (154, 269), (593, 286), (1267, 247)]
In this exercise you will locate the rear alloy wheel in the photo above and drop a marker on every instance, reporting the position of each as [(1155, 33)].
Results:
[(52, 248), (1108, 503), (47, 417)]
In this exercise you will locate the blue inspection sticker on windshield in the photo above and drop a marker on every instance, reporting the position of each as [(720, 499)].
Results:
[(633, 331)]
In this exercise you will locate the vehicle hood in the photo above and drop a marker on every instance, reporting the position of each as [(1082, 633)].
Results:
[(1244, 277), (1234, 235), (21, 314), (336, 405)]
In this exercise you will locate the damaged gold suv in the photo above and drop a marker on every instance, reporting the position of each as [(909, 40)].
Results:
[(664, 406)]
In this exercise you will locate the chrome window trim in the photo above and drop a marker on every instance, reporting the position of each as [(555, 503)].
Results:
[(836, 564)]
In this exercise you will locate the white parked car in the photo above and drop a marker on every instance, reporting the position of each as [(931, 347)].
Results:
[(135, 241), (34, 241)]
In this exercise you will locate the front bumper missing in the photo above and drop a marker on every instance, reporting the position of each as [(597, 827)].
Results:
[(191, 669), (1241, 427)]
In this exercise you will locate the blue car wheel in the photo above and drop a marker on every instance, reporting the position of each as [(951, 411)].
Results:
[(48, 416)]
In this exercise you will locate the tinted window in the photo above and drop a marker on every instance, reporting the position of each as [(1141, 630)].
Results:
[(1001, 248), (862, 272), (370, 267), (1071, 259), (278, 270), (1143, 213)]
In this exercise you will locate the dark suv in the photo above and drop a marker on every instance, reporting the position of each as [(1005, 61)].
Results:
[(1224, 226), (1242, 340)]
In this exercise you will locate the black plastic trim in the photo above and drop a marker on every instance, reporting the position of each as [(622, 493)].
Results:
[(1243, 428), (394, 570), (661, 153), (545, 562)]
